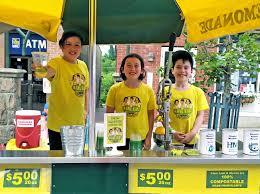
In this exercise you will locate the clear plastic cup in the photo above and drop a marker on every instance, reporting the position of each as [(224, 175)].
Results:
[(40, 60)]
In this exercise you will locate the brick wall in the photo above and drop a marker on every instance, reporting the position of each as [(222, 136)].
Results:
[(143, 50), (53, 47)]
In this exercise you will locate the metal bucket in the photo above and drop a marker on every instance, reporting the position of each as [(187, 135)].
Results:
[(73, 140)]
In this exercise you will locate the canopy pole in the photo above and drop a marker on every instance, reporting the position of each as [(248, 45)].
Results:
[(92, 68)]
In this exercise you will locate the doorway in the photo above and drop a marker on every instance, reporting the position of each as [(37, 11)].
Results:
[(33, 97)]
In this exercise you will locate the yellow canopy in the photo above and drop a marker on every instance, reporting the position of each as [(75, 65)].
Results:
[(42, 17), (208, 19)]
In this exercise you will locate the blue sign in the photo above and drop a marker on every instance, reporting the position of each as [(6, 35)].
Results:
[(34, 43)]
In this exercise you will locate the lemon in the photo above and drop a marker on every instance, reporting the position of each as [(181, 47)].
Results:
[(160, 130), (176, 152), (159, 118), (191, 152)]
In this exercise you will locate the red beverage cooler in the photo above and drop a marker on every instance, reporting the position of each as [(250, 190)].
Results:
[(28, 128)]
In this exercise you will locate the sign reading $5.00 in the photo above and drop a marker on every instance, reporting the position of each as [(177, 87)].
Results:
[(155, 178), (21, 177)]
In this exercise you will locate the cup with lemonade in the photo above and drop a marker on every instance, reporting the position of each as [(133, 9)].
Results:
[(40, 60), (100, 142), (135, 142)]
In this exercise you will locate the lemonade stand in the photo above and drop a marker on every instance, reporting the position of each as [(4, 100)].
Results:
[(44, 172), (132, 171)]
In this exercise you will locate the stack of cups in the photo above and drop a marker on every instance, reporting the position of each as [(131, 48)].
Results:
[(230, 141), (73, 140)]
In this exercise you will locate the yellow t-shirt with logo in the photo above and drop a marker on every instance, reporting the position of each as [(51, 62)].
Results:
[(135, 102), (67, 98), (184, 106)]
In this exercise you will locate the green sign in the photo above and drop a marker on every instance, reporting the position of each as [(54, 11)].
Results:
[(227, 179), (155, 178), (21, 177)]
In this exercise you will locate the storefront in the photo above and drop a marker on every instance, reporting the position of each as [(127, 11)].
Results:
[(21, 44)]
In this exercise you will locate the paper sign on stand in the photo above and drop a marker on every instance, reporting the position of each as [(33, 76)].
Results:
[(115, 132)]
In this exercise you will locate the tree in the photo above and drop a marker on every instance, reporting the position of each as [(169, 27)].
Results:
[(108, 65), (240, 52), (112, 53), (107, 82), (108, 68)]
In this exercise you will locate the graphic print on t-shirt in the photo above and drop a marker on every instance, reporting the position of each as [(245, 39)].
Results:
[(78, 84), (131, 105), (182, 108)]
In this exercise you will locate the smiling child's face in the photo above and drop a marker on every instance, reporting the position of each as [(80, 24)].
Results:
[(182, 71)]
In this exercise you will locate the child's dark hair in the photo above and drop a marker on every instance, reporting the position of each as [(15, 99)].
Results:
[(133, 55), (67, 35), (181, 54)]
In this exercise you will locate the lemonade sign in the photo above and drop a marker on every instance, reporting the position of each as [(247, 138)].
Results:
[(115, 135), (115, 131)]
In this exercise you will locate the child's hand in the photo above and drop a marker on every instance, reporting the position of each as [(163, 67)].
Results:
[(178, 136), (147, 143), (34, 66), (39, 70), (50, 72), (188, 137)]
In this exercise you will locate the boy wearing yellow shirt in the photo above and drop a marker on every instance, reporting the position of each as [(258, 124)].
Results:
[(188, 102), (69, 84)]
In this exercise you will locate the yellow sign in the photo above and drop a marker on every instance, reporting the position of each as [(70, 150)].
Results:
[(199, 179), (11, 145), (25, 179), (115, 129), (155, 178), (42, 17), (208, 19)]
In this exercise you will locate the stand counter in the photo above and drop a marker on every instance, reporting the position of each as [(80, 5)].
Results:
[(151, 172)]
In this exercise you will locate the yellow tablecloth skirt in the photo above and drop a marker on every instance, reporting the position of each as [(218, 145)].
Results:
[(11, 145)]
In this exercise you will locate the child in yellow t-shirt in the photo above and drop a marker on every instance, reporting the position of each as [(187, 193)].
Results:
[(188, 102), (134, 98), (69, 84)]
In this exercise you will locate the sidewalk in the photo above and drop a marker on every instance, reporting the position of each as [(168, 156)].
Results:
[(249, 120)]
